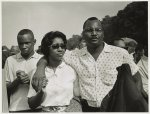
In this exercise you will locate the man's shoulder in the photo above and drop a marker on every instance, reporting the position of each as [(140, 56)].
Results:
[(75, 52), (117, 49), (12, 57), (37, 56), (68, 67)]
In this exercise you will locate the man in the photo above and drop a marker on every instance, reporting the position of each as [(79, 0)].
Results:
[(17, 71), (95, 65)]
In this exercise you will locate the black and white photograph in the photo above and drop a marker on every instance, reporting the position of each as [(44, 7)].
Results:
[(74, 56)]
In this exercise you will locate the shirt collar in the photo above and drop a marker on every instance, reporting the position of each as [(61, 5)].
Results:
[(106, 49), (61, 65), (19, 56)]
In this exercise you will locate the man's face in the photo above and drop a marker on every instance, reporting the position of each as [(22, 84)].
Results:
[(26, 44), (93, 33)]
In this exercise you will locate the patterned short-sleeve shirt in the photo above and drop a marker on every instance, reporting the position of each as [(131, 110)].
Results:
[(96, 78)]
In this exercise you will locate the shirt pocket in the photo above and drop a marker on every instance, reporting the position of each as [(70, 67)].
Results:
[(109, 77)]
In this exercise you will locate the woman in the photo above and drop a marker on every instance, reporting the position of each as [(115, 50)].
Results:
[(60, 82)]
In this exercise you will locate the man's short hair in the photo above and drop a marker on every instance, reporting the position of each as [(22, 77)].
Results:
[(25, 31), (90, 19)]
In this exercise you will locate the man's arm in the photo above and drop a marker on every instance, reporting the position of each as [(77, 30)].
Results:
[(8, 72), (39, 74), (12, 86)]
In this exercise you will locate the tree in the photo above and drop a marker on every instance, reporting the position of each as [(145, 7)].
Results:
[(130, 22)]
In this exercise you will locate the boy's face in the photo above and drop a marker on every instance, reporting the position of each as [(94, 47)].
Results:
[(26, 44)]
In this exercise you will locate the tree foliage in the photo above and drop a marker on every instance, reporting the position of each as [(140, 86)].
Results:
[(130, 22)]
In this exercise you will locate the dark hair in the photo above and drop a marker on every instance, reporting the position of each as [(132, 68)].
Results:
[(90, 19), (48, 39), (132, 44), (25, 31), (139, 47)]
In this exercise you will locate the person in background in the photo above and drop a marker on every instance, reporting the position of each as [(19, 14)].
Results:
[(119, 43), (57, 88), (139, 53), (82, 43), (131, 46), (39, 50), (75, 43), (5, 55), (95, 66), (142, 61), (18, 70), (14, 50)]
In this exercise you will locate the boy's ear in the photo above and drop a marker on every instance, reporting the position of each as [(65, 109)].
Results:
[(34, 41)]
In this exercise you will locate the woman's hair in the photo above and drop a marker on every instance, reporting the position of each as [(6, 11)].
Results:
[(48, 40)]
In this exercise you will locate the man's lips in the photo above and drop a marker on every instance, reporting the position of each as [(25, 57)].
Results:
[(94, 39)]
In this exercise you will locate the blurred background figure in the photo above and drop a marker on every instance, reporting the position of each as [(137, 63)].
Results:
[(141, 53), (39, 50), (75, 42), (131, 47), (119, 43), (14, 50), (82, 43), (5, 54)]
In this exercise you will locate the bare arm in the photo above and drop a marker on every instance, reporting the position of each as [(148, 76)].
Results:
[(12, 86), (36, 100), (39, 74), (76, 89)]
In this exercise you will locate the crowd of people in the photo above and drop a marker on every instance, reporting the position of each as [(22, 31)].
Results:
[(77, 77)]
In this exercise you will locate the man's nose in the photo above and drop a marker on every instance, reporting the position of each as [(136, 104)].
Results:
[(93, 32), (24, 45)]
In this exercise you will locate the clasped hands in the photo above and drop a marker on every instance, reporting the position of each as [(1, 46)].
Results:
[(23, 77)]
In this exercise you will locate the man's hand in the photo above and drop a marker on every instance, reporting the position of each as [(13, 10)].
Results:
[(23, 77), (39, 74)]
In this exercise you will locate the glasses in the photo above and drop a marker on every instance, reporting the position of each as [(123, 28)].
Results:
[(91, 30), (56, 46)]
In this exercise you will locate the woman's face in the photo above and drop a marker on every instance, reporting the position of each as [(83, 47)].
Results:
[(57, 49)]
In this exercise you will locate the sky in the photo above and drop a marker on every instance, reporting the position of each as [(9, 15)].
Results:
[(43, 17)]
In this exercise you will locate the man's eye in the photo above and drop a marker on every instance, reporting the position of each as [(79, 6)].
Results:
[(91, 30), (98, 30)]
